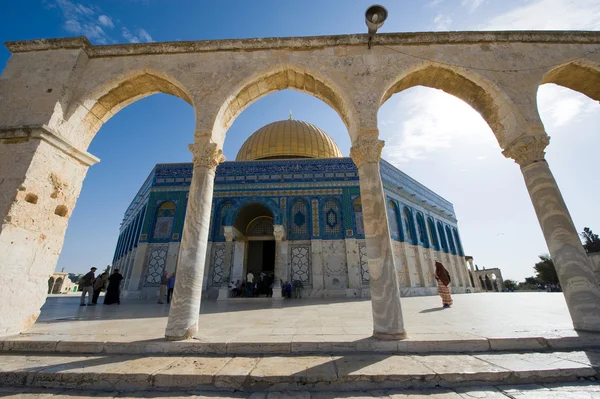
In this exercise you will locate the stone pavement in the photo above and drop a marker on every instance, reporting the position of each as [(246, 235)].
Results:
[(576, 390), (476, 322), (349, 372)]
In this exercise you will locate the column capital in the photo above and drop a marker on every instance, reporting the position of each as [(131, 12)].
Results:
[(366, 149), (229, 233), (278, 232), (207, 155), (527, 149)]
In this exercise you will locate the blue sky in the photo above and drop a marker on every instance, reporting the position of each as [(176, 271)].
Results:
[(437, 139)]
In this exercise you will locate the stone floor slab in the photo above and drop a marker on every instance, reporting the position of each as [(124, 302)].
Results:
[(380, 368), (538, 366), (191, 372), (458, 368)]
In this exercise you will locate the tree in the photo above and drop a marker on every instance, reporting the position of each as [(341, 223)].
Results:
[(546, 273), (591, 241), (510, 285)]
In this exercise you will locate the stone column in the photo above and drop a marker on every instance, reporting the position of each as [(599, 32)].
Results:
[(385, 292), (185, 306), (224, 290), (278, 232), (476, 281), (575, 274)]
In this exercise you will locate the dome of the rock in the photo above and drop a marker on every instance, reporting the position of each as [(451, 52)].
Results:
[(288, 139)]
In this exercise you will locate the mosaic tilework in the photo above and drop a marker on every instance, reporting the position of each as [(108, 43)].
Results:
[(156, 264), (364, 265), (332, 215), (315, 217), (318, 191), (218, 264), (300, 263), (298, 225), (283, 207)]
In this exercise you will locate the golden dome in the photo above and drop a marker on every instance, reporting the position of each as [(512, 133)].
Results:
[(288, 139)]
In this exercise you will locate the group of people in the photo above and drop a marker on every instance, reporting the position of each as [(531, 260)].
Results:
[(253, 286), (291, 289), (92, 286), (264, 285), (167, 285)]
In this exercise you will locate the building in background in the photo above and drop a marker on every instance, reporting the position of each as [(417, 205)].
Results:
[(289, 197)]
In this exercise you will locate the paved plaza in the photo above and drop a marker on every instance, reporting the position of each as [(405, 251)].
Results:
[(472, 316), (307, 348)]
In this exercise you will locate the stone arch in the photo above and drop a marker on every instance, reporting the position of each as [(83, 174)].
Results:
[(481, 94), (266, 202), (579, 76), (249, 213), (281, 77), (96, 106), (50, 285)]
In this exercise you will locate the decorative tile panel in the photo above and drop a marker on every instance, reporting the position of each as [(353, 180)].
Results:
[(156, 264), (315, 217), (364, 264), (218, 263), (300, 263)]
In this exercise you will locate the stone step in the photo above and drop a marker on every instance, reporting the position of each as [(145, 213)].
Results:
[(285, 373), (298, 344), (568, 390)]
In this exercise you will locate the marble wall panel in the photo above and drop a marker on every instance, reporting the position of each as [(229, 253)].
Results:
[(335, 266)]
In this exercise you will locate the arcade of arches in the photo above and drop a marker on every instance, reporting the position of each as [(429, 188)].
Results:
[(57, 93)]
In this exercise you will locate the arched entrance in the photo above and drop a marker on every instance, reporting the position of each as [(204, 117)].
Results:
[(255, 223)]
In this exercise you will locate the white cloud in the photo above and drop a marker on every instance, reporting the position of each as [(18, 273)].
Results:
[(106, 21), (427, 121), (144, 36), (559, 106), (130, 37), (72, 26), (472, 5), (442, 22), (549, 15), (91, 22)]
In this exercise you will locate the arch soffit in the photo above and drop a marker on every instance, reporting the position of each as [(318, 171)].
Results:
[(97, 105), (284, 76), (481, 94), (268, 203), (580, 76)]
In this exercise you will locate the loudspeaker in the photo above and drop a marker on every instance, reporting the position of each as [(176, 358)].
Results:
[(375, 16)]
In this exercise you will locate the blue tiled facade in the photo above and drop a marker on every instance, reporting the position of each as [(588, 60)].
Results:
[(313, 198)]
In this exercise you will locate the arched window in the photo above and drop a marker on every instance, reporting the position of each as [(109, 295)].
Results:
[(299, 218), (422, 229), (222, 215), (433, 234), (332, 219), (261, 226), (450, 240), (163, 225), (442, 236), (392, 212), (358, 217), (409, 226), (458, 243)]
